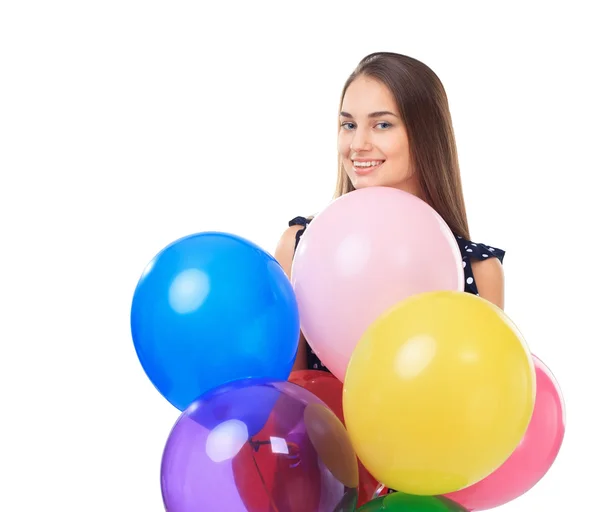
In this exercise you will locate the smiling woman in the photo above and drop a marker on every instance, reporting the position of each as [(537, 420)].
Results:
[(373, 141), (395, 130)]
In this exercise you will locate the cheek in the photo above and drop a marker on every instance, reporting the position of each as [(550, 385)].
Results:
[(343, 144), (395, 147)]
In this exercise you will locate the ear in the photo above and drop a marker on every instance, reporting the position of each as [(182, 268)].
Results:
[(489, 276)]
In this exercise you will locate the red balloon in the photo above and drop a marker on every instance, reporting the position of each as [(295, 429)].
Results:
[(270, 480), (328, 388)]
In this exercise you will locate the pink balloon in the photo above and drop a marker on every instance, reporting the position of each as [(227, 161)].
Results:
[(367, 251), (532, 458)]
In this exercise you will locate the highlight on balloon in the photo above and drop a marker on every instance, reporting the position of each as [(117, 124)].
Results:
[(429, 398)]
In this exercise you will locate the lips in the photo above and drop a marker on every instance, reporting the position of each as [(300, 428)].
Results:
[(362, 167)]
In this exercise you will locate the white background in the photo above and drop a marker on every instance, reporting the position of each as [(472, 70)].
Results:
[(125, 125)]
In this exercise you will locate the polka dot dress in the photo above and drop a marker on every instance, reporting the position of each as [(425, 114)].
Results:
[(469, 251)]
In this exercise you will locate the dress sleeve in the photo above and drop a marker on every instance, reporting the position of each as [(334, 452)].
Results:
[(479, 252), (299, 221)]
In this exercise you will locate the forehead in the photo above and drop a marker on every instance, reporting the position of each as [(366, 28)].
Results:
[(366, 95)]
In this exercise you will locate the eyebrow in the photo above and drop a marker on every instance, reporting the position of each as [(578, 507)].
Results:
[(379, 113)]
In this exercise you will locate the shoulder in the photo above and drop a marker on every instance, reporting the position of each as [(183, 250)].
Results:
[(489, 276), (479, 252), (485, 263), (286, 246), (300, 221)]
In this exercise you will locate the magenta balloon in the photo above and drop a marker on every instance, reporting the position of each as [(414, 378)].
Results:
[(367, 251), (532, 458)]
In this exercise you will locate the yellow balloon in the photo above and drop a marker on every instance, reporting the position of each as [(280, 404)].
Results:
[(438, 393)]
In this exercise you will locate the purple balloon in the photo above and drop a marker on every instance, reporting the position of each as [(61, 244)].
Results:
[(246, 447)]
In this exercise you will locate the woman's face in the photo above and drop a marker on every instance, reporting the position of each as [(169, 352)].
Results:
[(372, 139)]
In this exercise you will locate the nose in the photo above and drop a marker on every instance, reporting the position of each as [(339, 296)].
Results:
[(360, 141)]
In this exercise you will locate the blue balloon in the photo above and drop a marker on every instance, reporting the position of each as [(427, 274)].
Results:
[(251, 401), (213, 308)]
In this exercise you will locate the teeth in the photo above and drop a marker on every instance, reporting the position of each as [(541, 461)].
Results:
[(367, 164)]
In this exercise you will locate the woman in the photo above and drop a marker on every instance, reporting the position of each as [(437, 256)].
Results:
[(395, 130)]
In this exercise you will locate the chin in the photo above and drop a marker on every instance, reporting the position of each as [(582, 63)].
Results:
[(367, 181)]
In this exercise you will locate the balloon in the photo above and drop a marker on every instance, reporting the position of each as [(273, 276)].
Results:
[(301, 460), (238, 400), (348, 503), (368, 250), (533, 457), (212, 308), (439, 392), (323, 385), (399, 502), (328, 388)]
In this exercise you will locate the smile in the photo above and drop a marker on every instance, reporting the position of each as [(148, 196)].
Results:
[(365, 167)]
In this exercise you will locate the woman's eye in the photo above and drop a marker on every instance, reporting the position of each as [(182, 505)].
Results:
[(351, 126)]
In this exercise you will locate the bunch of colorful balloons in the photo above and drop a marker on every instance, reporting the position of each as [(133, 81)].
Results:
[(433, 392), (442, 399), (215, 324)]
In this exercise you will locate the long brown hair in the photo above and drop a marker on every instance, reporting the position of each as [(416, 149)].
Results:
[(423, 105)]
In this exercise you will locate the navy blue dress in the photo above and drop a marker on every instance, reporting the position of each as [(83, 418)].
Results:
[(468, 250)]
